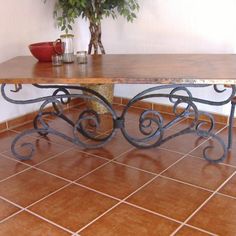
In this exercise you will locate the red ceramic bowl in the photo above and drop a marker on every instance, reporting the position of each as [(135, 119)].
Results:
[(44, 51)]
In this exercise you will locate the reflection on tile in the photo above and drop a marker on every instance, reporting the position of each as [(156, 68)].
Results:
[(116, 180), (217, 216), (25, 224), (72, 164), (73, 207), (169, 198), (113, 148), (183, 143), (29, 186), (154, 160), (196, 171), (43, 150), (127, 220), (216, 151)]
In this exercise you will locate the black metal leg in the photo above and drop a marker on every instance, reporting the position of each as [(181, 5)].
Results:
[(151, 126), (231, 123)]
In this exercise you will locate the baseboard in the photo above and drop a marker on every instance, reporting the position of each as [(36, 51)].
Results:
[(169, 109), (10, 124), (24, 119)]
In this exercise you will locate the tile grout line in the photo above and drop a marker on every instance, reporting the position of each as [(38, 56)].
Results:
[(226, 195), (152, 212), (163, 216), (20, 172), (220, 163), (124, 200), (200, 229), (113, 160), (67, 180), (32, 213), (71, 182), (26, 164), (49, 221), (204, 203)]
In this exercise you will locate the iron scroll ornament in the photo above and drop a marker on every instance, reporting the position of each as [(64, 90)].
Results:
[(152, 136)]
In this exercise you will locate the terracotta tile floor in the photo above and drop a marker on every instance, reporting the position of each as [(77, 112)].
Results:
[(117, 190)]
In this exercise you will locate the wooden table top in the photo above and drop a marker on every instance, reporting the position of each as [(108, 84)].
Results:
[(125, 69)]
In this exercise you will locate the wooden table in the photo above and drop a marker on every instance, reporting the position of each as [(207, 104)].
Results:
[(176, 72)]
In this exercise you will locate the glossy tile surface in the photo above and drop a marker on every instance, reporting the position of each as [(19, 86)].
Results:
[(10, 167), (7, 209), (29, 186), (102, 176), (230, 187), (154, 160), (217, 216), (116, 180), (129, 221), (113, 148), (200, 172), (43, 149), (183, 143), (73, 207), (26, 224), (169, 198), (187, 231), (72, 164)]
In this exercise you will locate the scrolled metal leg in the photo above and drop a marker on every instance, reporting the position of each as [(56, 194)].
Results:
[(231, 121), (150, 124)]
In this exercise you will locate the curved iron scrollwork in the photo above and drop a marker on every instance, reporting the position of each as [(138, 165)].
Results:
[(58, 100), (151, 126), (153, 129)]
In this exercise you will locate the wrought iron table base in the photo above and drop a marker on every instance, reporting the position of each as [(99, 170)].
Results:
[(151, 123)]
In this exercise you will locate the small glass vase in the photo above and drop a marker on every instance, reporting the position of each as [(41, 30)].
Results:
[(68, 41)]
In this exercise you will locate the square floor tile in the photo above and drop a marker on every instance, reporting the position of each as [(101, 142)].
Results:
[(183, 143), (169, 198), (216, 151), (72, 164), (25, 224), (230, 187), (200, 172), (217, 216), (127, 220), (154, 160), (9, 167), (43, 150), (115, 147), (7, 209), (188, 231), (29, 186), (73, 207), (116, 180)]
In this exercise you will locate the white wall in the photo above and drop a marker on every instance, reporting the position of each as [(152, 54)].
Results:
[(163, 26), (171, 26), (23, 22)]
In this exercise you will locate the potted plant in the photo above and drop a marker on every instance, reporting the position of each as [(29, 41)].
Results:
[(67, 11)]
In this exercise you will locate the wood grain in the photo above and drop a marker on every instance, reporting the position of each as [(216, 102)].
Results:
[(125, 69)]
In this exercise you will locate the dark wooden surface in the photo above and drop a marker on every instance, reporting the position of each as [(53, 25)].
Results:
[(125, 69)]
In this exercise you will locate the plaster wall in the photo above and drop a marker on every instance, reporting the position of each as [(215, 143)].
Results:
[(162, 26)]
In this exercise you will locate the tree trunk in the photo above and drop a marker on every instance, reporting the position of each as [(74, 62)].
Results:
[(96, 39)]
